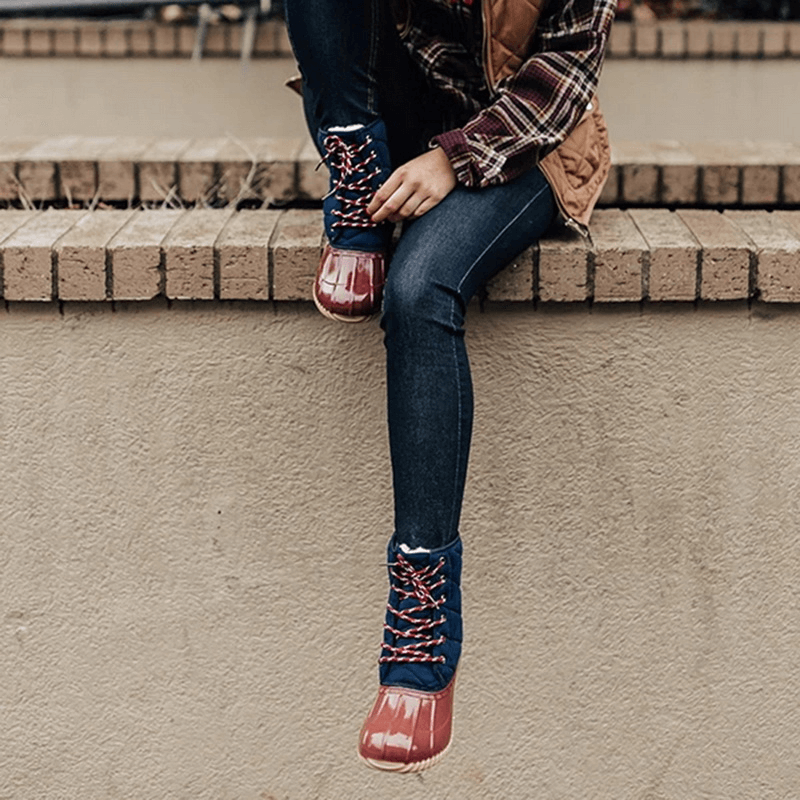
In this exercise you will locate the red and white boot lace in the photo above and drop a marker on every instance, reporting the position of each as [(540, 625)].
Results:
[(419, 584), (410, 725), (352, 176)]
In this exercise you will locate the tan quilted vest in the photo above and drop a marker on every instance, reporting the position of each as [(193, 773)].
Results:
[(508, 28), (577, 169)]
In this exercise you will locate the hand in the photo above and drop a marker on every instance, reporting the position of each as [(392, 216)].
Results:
[(414, 188)]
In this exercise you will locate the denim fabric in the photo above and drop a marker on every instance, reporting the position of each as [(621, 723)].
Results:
[(335, 43), (355, 69), (440, 262)]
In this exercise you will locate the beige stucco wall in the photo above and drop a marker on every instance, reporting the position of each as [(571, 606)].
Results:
[(195, 502)]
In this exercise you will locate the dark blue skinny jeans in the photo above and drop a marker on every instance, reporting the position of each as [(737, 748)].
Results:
[(355, 69)]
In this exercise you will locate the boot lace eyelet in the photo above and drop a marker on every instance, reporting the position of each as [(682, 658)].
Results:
[(353, 169), (416, 623)]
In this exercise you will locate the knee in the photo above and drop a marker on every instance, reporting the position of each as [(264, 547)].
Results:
[(403, 296), (413, 297)]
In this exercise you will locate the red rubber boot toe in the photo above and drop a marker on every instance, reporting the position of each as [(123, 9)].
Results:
[(407, 730), (349, 284)]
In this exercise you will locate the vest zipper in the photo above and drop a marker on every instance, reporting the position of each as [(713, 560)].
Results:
[(568, 220)]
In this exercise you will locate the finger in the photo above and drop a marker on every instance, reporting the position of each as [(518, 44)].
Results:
[(393, 204), (385, 191), (409, 208), (425, 206)]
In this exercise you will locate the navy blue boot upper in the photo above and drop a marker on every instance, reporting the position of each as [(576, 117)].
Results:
[(359, 163), (421, 648)]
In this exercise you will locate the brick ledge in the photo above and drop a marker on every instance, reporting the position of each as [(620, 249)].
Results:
[(207, 254), (132, 169), (143, 39), (703, 39), (85, 38)]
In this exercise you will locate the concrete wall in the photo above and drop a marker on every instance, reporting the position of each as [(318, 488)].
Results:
[(642, 99), (195, 502)]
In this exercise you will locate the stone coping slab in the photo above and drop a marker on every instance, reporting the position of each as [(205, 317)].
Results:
[(271, 255), (87, 38), (720, 174), (145, 39), (705, 39), (131, 169)]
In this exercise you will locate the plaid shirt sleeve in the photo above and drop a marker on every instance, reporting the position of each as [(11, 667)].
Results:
[(535, 109)]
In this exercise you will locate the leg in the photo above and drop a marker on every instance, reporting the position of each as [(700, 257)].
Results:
[(355, 69), (336, 45), (355, 73), (440, 262)]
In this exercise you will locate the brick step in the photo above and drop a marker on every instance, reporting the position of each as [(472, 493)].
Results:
[(700, 39), (85, 38), (714, 174), (153, 170), (705, 39), (80, 169), (207, 254)]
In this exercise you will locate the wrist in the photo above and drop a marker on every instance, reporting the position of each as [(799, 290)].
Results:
[(442, 158)]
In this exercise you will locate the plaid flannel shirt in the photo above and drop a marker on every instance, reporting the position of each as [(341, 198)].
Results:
[(531, 112)]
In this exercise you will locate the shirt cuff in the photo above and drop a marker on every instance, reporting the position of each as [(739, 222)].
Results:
[(456, 148)]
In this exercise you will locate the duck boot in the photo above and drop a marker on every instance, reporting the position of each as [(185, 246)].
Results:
[(349, 283), (410, 725)]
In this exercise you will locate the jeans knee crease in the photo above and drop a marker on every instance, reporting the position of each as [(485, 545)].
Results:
[(505, 228)]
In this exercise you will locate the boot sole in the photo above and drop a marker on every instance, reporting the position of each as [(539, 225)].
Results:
[(397, 766), (331, 315)]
